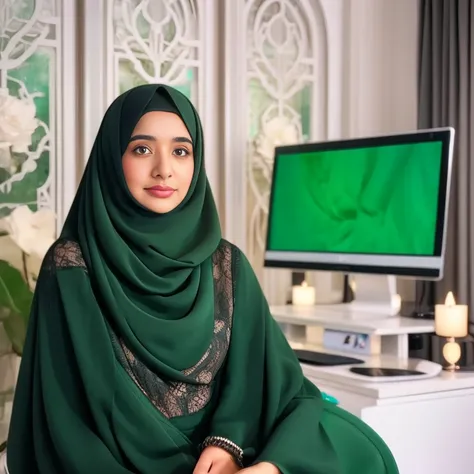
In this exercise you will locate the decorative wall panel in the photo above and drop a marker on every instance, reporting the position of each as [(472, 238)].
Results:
[(29, 40), (32, 97), (151, 41), (284, 70), (156, 42)]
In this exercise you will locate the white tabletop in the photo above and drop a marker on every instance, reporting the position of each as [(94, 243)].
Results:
[(337, 318), (435, 382), (435, 386)]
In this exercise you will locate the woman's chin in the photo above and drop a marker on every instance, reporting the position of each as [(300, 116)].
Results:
[(160, 206)]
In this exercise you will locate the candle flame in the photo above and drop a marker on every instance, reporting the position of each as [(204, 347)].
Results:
[(303, 283), (450, 301)]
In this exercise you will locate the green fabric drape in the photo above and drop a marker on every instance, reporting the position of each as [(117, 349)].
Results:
[(150, 270), (148, 279), (76, 410)]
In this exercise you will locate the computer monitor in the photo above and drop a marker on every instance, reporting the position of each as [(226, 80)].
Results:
[(368, 206)]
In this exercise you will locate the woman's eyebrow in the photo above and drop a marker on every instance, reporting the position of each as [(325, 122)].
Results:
[(151, 138), (182, 140)]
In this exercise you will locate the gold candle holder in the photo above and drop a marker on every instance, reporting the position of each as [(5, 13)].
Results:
[(451, 321)]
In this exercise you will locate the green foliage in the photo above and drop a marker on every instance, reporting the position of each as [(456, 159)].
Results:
[(15, 304)]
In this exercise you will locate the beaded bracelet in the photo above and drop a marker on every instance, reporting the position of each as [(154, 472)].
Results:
[(227, 445)]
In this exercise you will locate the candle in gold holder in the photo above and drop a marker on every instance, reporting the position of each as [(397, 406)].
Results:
[(451, 321)]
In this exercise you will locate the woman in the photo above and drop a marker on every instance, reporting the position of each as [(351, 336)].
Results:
[(150, 346)]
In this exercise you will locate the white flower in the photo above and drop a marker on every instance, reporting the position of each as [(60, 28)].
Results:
[(30, 232), (278, 131), (17, 122)]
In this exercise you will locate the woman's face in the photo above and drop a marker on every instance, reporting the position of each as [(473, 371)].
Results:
[(158, 163)]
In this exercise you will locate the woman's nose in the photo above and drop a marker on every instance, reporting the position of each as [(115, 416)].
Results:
[(162, 167)]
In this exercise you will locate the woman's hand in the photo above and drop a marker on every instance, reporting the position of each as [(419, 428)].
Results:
[(214, 460), (261, 468)]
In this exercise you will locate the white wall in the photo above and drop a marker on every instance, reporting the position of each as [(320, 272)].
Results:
[(381, 49), (381, 54)]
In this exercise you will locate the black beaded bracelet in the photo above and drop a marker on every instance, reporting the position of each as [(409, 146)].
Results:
[(227, 445)]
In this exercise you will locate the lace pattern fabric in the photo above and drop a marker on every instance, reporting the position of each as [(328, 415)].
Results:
[(64, 254), (173, 398)]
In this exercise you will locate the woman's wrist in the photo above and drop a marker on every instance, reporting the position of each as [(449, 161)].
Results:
[(227, 445)]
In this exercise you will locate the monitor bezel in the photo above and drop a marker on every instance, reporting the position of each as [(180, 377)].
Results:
[(432, 269)]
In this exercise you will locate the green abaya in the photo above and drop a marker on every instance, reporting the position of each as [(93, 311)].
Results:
[(149, 332)]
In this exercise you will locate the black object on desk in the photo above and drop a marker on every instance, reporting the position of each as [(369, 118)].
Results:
[(384, 372), (323, 358)]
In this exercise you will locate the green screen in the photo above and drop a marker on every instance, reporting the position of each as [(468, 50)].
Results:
[(367, 200)]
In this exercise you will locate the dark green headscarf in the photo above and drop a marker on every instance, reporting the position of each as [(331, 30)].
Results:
[(152, 271)]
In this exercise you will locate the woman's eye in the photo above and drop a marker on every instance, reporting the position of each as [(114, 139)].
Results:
[(181, 152), (141, 150)]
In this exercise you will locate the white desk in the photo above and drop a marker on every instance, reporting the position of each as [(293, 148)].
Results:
[(428, 424)]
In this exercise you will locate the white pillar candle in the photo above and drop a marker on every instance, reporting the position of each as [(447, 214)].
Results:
[(451, 319), (303, 295)]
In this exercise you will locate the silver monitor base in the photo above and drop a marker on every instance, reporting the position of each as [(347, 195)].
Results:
[(374, 295)]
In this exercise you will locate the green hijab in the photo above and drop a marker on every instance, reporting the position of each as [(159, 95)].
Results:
[(151, 271)]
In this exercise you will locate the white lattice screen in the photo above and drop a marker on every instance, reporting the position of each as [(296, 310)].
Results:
[(37, 51), (255, 69)]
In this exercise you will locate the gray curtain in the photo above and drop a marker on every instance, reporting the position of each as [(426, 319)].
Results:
[(446, 98)]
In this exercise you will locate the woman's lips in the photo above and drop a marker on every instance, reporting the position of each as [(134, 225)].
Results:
[(161, 192)]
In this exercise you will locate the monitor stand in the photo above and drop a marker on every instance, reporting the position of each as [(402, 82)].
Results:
[(375, 296)]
